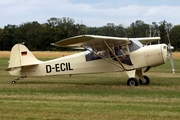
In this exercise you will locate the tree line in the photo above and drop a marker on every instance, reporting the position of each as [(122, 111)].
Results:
[(38, 36)]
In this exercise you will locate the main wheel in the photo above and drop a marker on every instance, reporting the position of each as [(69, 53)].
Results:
[(132, 82), (147, 80)]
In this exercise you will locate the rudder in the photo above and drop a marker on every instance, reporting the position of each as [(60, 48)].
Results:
[(21, 56)]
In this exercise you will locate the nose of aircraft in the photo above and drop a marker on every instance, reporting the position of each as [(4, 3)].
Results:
[(164, 50)]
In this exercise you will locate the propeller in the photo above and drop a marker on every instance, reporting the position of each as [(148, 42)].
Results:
[(170, 48)]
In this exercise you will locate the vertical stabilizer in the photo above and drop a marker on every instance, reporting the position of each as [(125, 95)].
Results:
[(21, 56)]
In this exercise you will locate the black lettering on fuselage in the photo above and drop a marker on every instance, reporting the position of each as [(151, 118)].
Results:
[(59, 67), (48, 68), (63, 67), (69, 66)]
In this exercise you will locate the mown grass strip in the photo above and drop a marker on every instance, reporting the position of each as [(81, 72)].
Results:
[(91, 96)]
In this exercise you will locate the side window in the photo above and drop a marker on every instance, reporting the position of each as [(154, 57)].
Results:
[(120, 50), (122, 55), (95, 55)]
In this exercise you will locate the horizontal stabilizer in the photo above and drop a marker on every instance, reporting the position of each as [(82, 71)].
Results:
[(13, 68)]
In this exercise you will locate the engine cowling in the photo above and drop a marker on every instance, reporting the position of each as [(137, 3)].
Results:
[(152, 55)]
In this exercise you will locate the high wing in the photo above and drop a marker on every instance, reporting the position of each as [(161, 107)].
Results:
[(98, 42), (95, 41), (146, 40)]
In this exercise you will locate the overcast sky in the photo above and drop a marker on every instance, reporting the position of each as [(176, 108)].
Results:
[(90, 12)]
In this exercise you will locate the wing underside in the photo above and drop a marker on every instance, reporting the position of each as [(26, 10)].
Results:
[(92, 41)]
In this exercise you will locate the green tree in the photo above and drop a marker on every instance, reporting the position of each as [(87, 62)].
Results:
[(65, 27), (39, 36), (164, 27), (28, 33), (7, 37), (120, 31), (80, 29), (155, 29), (175, 37), (138, 29), (1, 39), (109, 30), (94, 30)]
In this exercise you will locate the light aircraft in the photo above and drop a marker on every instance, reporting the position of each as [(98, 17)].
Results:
[(99, 56)]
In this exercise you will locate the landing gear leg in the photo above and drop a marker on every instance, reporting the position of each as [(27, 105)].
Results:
[(14, 81), (146, 80), (132, 81)]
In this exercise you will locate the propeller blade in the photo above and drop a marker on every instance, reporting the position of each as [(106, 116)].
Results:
[(171, 59), (170, 53)]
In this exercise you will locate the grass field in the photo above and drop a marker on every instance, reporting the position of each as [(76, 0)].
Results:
[(102, 96)]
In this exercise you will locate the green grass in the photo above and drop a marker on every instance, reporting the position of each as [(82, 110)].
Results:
[(102, 96)]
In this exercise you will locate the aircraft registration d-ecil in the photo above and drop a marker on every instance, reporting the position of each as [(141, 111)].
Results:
[(100, 55)]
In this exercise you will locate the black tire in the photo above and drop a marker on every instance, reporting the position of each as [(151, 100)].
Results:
[(132, 82), (13, 82), (146, 82)]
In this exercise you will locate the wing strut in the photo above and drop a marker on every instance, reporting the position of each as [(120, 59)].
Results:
[(114, 55)]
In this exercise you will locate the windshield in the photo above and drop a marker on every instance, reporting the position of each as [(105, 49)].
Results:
[(135, 45)]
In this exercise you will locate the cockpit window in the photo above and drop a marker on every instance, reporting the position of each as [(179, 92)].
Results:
[(135, 44), (95, 55)]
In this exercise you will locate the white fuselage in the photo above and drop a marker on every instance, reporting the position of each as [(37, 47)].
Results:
[(152, 55), (73, 64)]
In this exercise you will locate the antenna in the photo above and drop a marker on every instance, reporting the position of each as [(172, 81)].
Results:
[(150, 31)]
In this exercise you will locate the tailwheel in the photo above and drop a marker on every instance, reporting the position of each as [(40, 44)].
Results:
[(146, 80), (14, 81), (132, 82)]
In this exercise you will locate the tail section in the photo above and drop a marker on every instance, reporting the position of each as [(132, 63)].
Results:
[(20, 56)]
